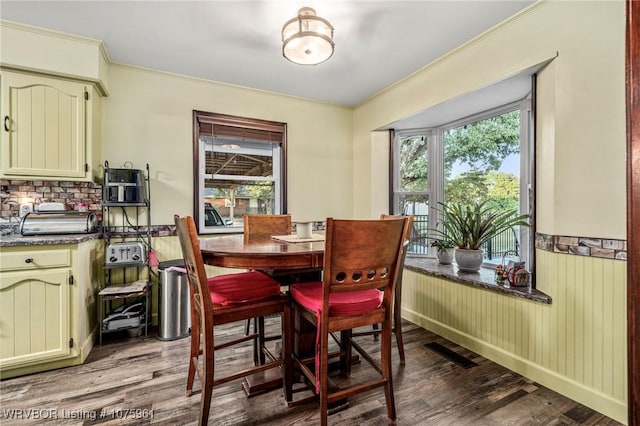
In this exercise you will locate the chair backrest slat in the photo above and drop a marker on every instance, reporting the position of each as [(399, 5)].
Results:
[(266, 225), (362, 254), (194, 265)]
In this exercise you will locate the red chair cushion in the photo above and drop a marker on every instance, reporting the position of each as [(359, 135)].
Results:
[(309, 295), (243, 287)]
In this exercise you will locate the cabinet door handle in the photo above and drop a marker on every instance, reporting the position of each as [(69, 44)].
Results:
[(28, 260), (6, 123)]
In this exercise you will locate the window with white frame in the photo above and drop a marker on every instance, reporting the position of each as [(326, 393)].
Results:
[(485, 157), (239, 170)]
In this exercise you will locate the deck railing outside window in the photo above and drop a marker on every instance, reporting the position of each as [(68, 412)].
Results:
[(494, 249)]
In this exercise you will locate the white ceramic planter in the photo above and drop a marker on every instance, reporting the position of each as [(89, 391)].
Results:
[(445, 256), (469, 260)]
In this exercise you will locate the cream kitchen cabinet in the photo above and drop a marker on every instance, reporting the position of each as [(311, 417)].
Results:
[(47, 306), (51, 127)]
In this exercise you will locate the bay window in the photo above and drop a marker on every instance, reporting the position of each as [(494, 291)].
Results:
[(484, 157)]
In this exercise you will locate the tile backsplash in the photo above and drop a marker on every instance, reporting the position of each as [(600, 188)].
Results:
[(583, 246), (14, 192)]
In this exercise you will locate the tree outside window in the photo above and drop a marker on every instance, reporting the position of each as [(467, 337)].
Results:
[(472, 160)]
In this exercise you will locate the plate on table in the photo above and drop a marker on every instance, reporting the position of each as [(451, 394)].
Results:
[(295, 239)]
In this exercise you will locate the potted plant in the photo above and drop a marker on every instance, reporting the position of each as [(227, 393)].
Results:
[(468, 227), (444, 250)]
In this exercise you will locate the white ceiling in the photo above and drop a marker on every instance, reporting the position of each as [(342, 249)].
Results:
[(238, 42)]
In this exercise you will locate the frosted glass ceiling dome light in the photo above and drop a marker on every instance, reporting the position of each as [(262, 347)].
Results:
[(307, 39)]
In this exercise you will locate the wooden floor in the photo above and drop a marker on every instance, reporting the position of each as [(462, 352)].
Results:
[(142, 381)]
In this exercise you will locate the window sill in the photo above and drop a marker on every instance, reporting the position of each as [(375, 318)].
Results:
[(483, 279)]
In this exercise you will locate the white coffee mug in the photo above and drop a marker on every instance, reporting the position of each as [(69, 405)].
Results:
[(303, 230)]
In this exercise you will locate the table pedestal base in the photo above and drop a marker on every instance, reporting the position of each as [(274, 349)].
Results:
[(262, 382)]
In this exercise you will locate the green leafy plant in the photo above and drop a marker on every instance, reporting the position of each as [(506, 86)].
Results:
[(470, 226), (442, 244)]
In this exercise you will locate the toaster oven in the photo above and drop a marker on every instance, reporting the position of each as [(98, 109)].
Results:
[(125, 252), (123, 186)]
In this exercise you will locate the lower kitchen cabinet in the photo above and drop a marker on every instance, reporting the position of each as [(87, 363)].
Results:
[(47, 306), (34, 313)]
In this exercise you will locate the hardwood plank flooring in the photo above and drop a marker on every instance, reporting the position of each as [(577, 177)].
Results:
[(147, 377)]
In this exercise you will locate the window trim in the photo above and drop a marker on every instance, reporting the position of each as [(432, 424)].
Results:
[(435, 178), (273, 130), (526, 161), (430, 191)]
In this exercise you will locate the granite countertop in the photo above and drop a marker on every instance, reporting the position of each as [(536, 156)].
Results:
[(13, 239), (483, 279)]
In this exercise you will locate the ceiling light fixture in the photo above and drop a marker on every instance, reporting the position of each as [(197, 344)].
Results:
[(307, 39)]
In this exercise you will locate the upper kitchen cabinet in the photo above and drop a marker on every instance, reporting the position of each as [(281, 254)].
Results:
[(47, 130), (52, 85)]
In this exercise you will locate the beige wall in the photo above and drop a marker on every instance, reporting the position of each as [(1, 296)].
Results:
[(379, 176), (582, 176), (576, 345), (148, 118)]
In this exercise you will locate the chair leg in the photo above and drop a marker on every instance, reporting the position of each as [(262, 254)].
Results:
[(195, 349), (345, 347), (258, 327), (261, 340), (287, 348), (207, 387), (256, 344), (375, 335), (397, 318), (397, 330), (323, 376), (205, 405), (208, 363), (385, 358)]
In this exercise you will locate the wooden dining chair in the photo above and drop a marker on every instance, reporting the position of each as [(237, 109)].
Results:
[(397, 299), (220, 300), (361, 263), (263, 226), (259, 226)]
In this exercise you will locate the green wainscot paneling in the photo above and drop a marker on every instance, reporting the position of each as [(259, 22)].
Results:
[(575, 346)]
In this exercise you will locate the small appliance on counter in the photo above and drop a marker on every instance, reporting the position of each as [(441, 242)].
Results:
[(53, 219), (125, 252), (123, 186)]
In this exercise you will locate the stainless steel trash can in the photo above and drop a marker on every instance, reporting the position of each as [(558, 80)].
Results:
[(174, 316)]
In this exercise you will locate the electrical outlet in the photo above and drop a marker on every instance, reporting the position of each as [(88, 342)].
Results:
[(25, 208)]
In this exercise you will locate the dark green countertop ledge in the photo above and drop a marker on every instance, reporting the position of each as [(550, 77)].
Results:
[(482, 279)]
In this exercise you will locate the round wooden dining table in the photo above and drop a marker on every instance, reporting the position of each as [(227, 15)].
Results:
[(263, 253)]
